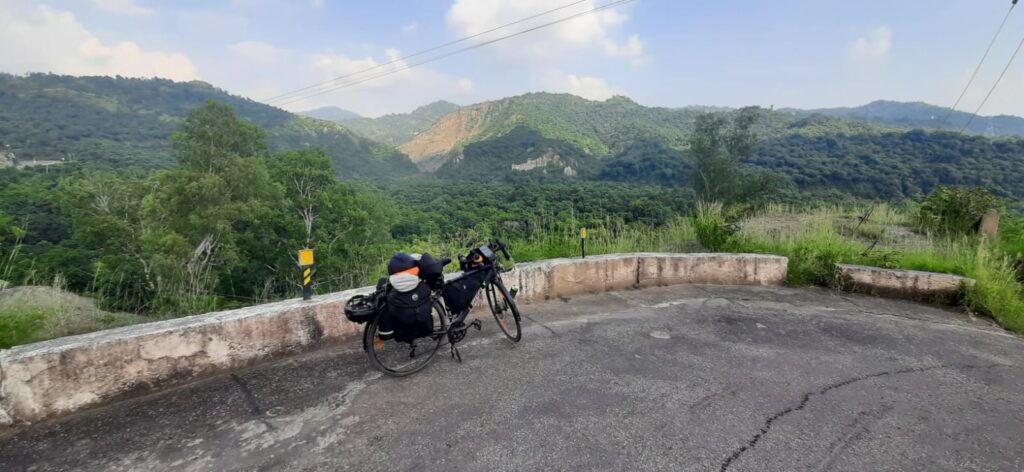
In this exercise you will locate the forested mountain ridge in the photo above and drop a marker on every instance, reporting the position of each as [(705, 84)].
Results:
[(596, 127), (330, 114), (395, 129), (122, 122), (547, 137), (920, 115)]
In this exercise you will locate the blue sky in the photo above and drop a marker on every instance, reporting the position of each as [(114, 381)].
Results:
[(787, 53)]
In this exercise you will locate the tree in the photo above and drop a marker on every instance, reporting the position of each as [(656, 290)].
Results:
[(306, 176), (718, 145), (202, 211), (212, 136)]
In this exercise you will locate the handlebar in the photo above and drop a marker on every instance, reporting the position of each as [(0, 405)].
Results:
[(497, 245)]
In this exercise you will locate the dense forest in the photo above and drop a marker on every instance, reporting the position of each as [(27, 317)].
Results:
[(122, 122)]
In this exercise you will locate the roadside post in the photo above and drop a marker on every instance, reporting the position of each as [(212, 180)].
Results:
[(583, 242), (306, 264)]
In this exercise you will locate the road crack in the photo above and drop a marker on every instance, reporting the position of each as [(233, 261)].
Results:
[(250, 400), (752, 442)]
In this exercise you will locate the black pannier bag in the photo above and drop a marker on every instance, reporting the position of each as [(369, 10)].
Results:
[(408, 314), (459, 292)]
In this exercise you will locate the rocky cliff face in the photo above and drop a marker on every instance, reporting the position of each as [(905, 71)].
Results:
[(7, 158)]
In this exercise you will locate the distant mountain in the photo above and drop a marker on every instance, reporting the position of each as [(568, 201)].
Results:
[(330, 114), (596, 128), (542, 136), (401, 127), (123, 122), (920, 115)]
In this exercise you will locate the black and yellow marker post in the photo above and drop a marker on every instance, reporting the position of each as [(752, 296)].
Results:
[(306, 264), (583, 242)]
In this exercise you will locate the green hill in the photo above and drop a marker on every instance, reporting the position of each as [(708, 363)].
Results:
[(123, 122), (543, 136), (330, 114), (398, 128), (921, 115)]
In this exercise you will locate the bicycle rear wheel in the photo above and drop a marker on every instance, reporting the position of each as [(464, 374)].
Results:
[(505, 311), (400, 358)]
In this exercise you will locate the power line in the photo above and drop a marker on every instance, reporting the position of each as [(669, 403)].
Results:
[(452, 53), (993, 89), (420, 53), (978, 68)]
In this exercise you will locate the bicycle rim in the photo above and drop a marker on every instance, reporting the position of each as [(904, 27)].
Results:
[(505, 311), (400, 358)]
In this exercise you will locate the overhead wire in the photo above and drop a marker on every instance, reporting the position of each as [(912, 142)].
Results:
[(978, 67), (420, 53), (996, 84), (451, 53)]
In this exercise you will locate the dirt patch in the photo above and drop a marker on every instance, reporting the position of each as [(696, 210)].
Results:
[(452, 129)]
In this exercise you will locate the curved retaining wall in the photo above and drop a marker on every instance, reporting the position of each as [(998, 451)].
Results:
[(51, 378), (909, 284)]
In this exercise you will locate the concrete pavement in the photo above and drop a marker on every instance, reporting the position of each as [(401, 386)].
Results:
[(668, 378)]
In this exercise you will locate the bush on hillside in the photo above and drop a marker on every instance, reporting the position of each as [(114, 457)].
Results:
[(956, 210)]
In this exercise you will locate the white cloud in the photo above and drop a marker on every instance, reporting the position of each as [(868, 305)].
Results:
[(469, 17), (258, 52), (874, 46), (632, 50), (43, 39), (123, 7), (465, 85), (410, 28), (591, 88)]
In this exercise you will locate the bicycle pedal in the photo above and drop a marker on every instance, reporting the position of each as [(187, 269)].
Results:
[(477, 324)]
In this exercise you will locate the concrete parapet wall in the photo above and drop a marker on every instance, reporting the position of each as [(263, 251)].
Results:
[(60, 376), (906, 284)]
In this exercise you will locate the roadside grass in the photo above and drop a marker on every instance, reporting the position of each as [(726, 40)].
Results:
[(817, 244), (549, 241), (35, 313)]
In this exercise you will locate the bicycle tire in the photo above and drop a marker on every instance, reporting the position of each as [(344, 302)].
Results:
[(376, 348), (502, 307)]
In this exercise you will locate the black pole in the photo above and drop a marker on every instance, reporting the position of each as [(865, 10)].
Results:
[(307, 283), (583, 242)]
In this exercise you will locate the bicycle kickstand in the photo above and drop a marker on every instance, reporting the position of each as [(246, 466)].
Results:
[(455, 354)]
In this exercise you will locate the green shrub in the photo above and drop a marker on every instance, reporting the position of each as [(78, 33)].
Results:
[(22, 326), (955, 210), (711, 228)]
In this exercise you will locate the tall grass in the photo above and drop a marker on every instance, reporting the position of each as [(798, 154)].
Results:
[(815, 246), (562, 239)]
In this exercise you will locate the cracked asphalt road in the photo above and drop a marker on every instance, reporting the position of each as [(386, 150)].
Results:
[(673, 378)]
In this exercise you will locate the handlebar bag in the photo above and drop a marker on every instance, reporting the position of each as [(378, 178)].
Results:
[(460, 292), (431, 270), (408, 313)]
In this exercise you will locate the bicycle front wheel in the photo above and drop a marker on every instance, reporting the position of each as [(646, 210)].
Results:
[(404, 358), (505, 311)]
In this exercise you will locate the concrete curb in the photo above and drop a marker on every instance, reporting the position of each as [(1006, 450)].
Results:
[(931, 287), (61, 376)]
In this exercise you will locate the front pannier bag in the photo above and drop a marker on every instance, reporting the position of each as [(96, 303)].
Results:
[(459, 292), (408, 313)]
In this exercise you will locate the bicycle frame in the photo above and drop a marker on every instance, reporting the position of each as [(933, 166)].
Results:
[(490, 278)]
